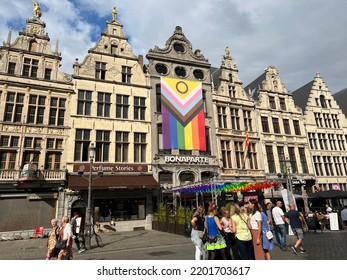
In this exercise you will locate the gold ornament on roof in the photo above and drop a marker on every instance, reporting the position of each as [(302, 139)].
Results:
[(37, 9), (227, 52), (114, 13)]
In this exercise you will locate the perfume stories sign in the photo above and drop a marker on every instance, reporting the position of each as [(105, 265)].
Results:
[(110, 167)]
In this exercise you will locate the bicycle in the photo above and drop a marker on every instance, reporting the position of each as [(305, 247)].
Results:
[(93, 233)]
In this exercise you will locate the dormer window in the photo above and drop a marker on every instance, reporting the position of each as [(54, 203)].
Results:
[(33, 46), (126, 74), (100, 71), (11, 68), (30, 67), (114, 49), (48, 73), (322, 101)]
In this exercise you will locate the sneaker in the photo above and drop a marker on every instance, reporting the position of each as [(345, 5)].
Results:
[(81, 251), (294, 250), (302, 251)]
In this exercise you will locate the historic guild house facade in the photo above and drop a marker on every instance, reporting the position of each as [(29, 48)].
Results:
[(173, 121)]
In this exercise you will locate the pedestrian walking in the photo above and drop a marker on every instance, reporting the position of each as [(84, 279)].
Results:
[(268, 244), (52, 251), (296, 221), (198, 228), (269, 215), (255, 224), (75, 224), (280, 225), (65, 233)]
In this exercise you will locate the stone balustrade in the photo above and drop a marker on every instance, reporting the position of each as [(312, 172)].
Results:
[(48, 175)]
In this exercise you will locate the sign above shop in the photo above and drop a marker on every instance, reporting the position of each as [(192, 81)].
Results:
[(299, 182), (110, 167), (186, 159)]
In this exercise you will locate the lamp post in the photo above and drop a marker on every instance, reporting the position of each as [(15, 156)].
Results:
[(91, 154), (289, 183)]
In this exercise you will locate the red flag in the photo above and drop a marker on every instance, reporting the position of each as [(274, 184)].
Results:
[(246, 149), (247, 141)]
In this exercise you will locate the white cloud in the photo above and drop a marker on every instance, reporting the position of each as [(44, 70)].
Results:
[(298, 37)]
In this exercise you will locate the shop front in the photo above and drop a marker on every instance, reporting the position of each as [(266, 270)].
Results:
[(124, 200)]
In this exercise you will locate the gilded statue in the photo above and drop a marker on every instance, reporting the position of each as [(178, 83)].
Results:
[(114, 13), (37, 9), (227, 52)]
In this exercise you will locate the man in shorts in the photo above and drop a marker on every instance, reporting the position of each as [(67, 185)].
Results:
[(296, 221)]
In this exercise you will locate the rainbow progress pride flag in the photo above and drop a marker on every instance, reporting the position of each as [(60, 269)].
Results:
[(183, 119)]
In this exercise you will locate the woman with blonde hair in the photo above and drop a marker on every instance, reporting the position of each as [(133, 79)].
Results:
[(242, 233), (65, 233), (198, 228)]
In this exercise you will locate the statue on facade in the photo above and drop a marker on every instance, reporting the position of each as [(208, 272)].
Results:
[(114, 13), (227, 52), (37, 9)]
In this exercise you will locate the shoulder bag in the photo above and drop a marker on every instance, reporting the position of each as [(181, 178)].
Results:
[(269, 234)]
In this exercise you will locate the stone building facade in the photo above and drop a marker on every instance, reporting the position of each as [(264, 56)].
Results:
[(285, 150), (110, 109), (179, 163), (34, 128), (326, 127), (135, 115), (235, 120)]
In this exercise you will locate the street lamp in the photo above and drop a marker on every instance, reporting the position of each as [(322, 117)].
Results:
[(91, 154), (288, 167), (289, 182)]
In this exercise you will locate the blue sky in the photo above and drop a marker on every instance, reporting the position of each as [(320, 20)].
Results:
[(299, 37)]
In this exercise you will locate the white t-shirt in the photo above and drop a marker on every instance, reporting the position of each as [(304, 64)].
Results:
[(277, 214), (67, 231), (254, 219)]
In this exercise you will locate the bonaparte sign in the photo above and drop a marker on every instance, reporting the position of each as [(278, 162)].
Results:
[(186, 159), (109, 167)]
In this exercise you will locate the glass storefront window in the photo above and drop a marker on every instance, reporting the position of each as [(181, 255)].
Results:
[(119, 209)]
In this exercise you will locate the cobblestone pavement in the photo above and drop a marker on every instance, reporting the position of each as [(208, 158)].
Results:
[(154, 245)]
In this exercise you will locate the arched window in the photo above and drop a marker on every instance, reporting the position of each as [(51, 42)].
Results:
[(187, 176)]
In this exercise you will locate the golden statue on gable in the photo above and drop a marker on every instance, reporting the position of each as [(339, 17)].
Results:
[(37, 9), (114, 13), (227, 52)]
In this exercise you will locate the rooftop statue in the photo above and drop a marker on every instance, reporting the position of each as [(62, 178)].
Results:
[(114, 13), (37, 9), (227, 52)]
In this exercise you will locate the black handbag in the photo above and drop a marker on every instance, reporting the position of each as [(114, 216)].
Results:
[(61, 244)]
